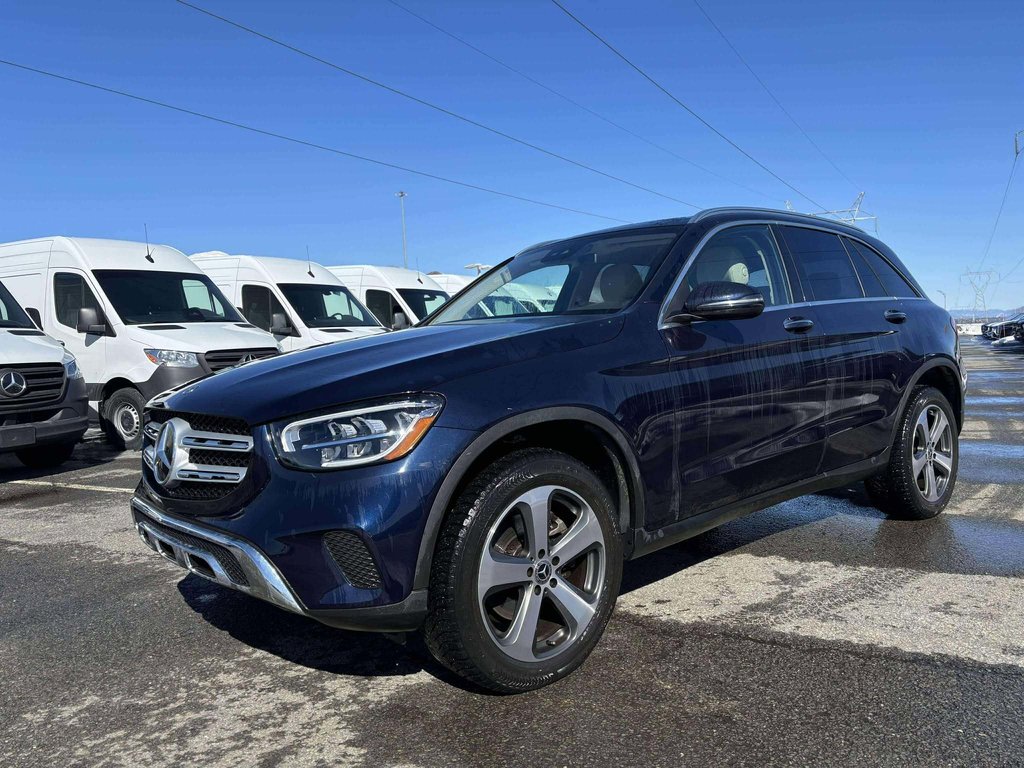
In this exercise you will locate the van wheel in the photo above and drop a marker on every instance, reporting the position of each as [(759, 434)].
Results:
[(526, 572), (921, 474), (122, 419), (45, 456)]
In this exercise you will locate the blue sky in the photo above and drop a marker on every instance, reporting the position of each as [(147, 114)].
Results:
[(917, 102)]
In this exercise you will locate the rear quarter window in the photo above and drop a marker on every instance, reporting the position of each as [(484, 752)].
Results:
[(892, 281)]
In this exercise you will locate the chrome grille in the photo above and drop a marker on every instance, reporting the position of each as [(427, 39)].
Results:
[(44, 386), (219, 359), (190, 461)]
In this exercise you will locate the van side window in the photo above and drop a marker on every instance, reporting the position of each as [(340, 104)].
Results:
[(70, 294), (892, 281), (383, 306), (259, 306), (872, 285), (824, 266), (746, 255)]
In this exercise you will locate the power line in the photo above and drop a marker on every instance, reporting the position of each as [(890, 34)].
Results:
[(1002, 205), (668, 93), (575, 103), (768, 90), (431, 105), (304, 142)]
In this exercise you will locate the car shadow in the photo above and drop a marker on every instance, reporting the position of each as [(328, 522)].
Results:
[(93, 451)]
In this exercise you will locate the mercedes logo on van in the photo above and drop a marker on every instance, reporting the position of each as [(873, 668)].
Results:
[(163, 455), (12, 383), (246, 359)]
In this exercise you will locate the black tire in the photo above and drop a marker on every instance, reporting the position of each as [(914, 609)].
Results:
[(122, 419), (458, 633), (898, 490), (45, 456)]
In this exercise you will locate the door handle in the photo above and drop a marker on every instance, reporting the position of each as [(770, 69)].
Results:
[(895, 316), (798, 324)]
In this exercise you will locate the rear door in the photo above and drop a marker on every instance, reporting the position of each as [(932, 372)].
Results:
[(862, 345), (750, 414)]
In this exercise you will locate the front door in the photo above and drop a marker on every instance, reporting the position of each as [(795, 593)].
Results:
[(750, 416), (71, 292)]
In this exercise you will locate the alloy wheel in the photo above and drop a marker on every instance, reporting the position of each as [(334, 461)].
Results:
[(541, 573), (932, 455)]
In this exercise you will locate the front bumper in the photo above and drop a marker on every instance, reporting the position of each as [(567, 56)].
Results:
[(63, 422), (237, 564)]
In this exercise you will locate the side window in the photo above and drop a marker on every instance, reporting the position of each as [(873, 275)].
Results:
[(745, 254), (824, 266), (259, 306), (382, 305), (70, 294), (872, 285), (892, 280)]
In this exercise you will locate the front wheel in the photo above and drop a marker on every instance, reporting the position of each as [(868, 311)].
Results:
[(919, 479), (526, 573), (122, 419)]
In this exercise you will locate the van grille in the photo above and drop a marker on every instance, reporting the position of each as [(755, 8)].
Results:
[(44, 386), (219, 359)]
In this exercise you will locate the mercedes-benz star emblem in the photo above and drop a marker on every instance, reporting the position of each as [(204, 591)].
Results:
[(246, 359), (163, 455), (12, 383)]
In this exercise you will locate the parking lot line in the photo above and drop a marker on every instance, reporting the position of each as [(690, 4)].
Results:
[(72, 486)]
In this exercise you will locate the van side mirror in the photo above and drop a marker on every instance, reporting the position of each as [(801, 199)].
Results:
[(33, 314), (720, 300), (400, 322), (90, 321), (279, 325)]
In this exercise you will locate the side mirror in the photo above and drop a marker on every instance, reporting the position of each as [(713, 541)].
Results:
[(720, 300), (89, 321), (279, 325), (400, 322)]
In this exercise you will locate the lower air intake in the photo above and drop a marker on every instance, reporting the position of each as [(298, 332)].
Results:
[(350, 553)]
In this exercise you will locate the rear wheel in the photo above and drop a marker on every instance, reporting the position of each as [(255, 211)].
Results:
[(919, 479), (526, 573), (122, 418), (45, 456)]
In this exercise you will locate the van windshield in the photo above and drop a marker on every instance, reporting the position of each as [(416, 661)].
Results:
[(144, 296), (327, 306), (589, 274), (11, 313), (423, 302)]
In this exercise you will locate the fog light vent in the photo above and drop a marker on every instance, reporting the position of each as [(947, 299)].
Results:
[(350, 553)]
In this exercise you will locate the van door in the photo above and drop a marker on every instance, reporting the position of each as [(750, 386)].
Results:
[(750, 415), (260, 305), (72, 291)]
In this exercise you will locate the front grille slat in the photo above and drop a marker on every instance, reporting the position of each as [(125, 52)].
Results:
[(44, 383), (220, 359)]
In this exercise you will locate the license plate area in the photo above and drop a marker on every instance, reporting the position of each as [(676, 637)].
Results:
[(17, 437)]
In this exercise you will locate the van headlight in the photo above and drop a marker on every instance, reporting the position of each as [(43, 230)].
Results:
[(172, 358), (374, 432), (71, 366)]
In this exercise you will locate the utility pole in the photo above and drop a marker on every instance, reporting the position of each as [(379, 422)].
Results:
[(405, 252)]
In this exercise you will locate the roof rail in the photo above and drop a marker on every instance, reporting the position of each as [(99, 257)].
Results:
[(741, 209)]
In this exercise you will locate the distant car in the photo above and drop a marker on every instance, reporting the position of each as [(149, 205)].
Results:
[(1004, 328), (483, 477)]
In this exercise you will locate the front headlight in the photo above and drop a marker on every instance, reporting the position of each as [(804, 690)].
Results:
[(71, 366), (377, 431), (172, 358)]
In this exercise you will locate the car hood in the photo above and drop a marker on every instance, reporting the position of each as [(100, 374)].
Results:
[(414, 360), (199, 337), (16, 348)]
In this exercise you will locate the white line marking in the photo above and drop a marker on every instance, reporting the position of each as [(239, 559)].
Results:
[(73, 486)]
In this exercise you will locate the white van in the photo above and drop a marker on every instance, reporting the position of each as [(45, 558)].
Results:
[(512, 299), (140, 319), (43, 407), (450, 284), (397, 297), (299, 302)]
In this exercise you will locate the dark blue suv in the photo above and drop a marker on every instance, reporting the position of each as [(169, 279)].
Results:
[(483, 476)]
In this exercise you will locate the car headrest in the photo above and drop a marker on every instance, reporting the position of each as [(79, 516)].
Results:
[(620, 283), (721, 262)]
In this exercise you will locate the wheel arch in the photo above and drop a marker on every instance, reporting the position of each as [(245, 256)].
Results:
[(556, 428), (943, 374)]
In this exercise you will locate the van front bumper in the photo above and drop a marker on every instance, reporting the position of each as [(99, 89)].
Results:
[(237, 564)]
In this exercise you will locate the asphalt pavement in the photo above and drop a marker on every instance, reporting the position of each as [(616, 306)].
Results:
[(815, 632)]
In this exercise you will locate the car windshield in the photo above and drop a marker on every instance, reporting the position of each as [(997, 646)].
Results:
[(142, 296), (423, 302), (11, 313), (327, 306), (591, 274)]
